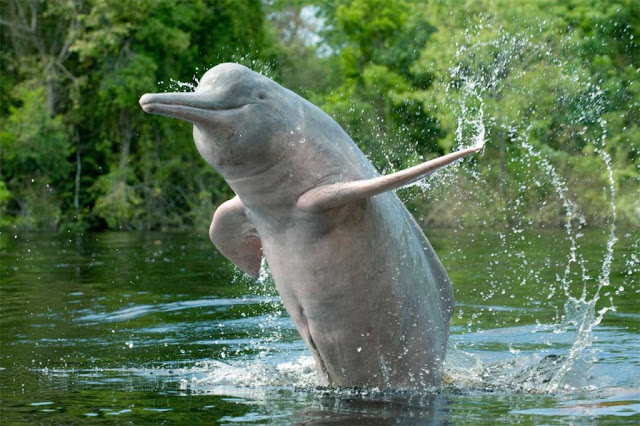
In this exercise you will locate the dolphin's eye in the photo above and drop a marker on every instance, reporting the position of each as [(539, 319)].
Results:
[(262, 96)]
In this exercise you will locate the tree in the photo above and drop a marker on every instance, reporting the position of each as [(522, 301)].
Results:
[(377, 41), (132, 171), (34, 147)]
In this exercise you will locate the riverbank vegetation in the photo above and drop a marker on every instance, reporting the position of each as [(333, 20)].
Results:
[(554, 85)]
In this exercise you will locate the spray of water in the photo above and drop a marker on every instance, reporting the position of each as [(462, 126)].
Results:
[(580, 314), (246, 58)]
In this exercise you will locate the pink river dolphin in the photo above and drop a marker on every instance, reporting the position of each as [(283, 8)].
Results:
[(360, 280)]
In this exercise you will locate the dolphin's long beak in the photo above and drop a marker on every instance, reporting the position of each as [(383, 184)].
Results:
[(193, 107)]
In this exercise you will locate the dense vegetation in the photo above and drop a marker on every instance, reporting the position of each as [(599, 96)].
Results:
[(555, 83)]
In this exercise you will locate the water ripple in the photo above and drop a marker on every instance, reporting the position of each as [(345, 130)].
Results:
[(137, 311)]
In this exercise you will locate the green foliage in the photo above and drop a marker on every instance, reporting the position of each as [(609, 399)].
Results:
[(33, 143), (5, 196), (377, 43), (132, 171), (34, 147)]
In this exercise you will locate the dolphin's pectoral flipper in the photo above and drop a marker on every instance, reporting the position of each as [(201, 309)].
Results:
[(338, 194), (234, 235)]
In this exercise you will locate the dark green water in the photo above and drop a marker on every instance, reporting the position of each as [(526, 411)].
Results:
[(133, 328)]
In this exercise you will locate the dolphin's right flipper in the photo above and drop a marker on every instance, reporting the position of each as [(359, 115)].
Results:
[(338, 194), (234, 235)]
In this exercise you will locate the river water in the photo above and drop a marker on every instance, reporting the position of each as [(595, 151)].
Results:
[(158, 328)]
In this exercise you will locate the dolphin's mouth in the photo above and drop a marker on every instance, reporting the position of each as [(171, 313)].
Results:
[(190, 107)]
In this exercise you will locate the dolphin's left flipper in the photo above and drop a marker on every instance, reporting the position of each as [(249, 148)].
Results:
[(234, 235), (338, 194)]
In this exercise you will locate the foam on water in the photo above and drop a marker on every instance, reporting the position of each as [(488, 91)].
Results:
[(300, 373)]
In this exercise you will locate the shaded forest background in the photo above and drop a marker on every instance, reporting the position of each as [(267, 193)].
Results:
[(559, 77)]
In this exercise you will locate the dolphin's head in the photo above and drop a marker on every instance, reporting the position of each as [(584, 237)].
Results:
[(235, 113)]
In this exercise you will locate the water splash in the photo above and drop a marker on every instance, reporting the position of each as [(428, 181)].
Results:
[(299, 372), (270, 329), (183, 86), (580, 312), (471, 125), (466, 91), (247, 59)]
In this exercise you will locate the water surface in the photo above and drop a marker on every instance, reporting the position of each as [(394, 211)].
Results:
[(145, 328)]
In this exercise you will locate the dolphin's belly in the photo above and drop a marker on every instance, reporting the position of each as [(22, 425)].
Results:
[(365, 290)]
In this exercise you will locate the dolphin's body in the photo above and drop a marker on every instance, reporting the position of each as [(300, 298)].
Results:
[(358, 277)]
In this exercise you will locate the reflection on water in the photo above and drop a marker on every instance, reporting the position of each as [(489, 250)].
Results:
[(140, 310), (157, 328)]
